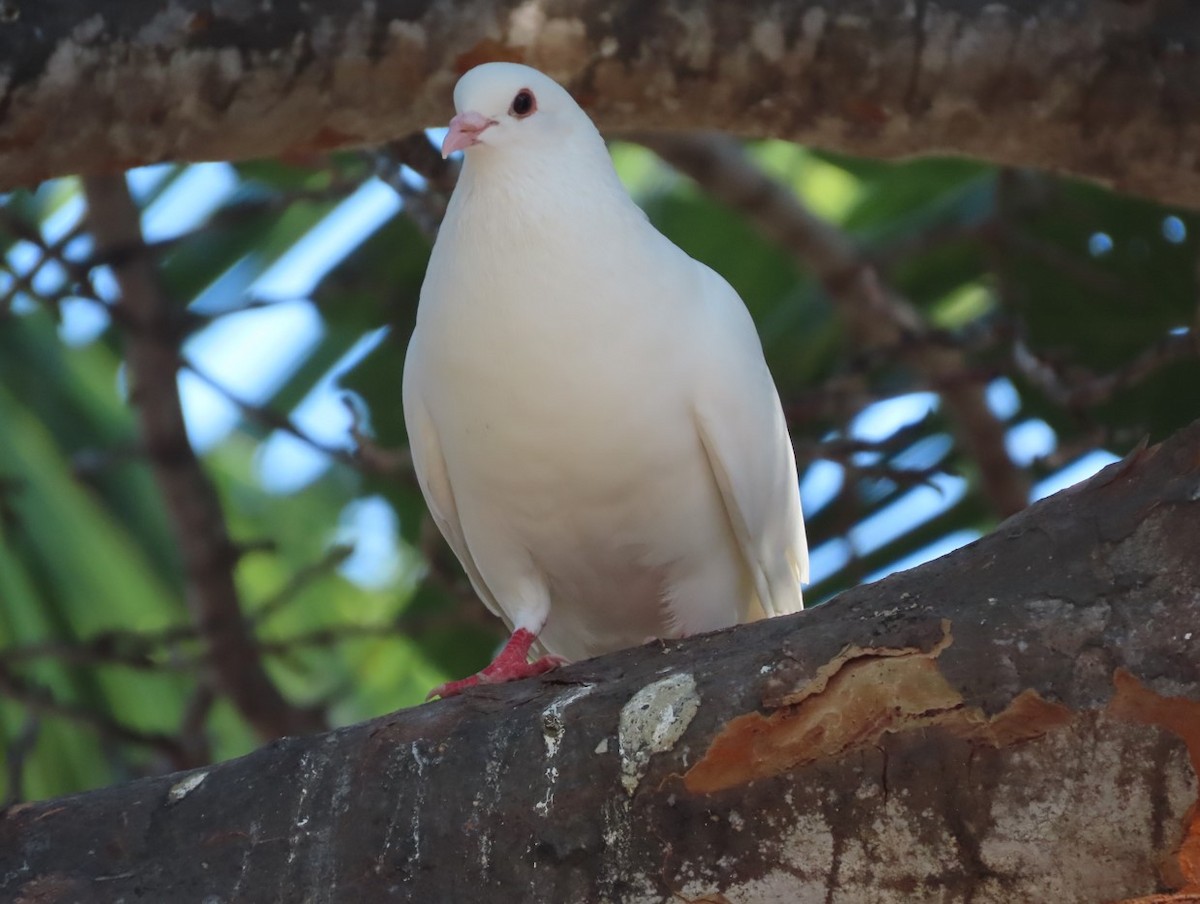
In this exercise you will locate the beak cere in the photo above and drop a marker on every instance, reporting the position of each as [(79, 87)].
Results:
[(465, 129)]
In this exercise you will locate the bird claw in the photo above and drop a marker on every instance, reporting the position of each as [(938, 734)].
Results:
[(453, 688), (498, 672), (510, 664)]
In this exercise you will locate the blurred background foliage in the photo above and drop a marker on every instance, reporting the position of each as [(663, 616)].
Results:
[(296, 285)]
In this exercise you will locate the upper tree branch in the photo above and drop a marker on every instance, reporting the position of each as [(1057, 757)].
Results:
[(877, 317), (152, 354), (1106, 90)]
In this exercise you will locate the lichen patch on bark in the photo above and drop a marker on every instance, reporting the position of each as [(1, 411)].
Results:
[(653, 720)]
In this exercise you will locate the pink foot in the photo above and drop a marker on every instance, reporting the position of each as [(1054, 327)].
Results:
[(510, 664)]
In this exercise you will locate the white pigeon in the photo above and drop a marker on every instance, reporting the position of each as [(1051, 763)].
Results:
[(591, 418)]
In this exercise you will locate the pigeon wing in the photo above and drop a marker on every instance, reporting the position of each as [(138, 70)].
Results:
[(742, 428), (434, 478)]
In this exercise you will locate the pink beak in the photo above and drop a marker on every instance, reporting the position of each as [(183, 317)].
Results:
[(465, 129)]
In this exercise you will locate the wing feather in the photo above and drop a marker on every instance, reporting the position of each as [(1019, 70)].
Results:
[(761, 496), (434, 478), (742, 428)]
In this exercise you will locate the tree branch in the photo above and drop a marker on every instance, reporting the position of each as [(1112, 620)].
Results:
[(1017, 721), (1106, 90), (209, 557), (877, 317)]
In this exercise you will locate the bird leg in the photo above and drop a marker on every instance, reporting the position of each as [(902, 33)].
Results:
[(510, 663)]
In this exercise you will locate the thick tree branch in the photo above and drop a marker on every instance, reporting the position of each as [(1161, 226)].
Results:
[(1017, 721), (1106, 90), (152, 354), (877, 317)]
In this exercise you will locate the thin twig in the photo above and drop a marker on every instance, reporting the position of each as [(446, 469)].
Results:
[(425, 205), (48, 252), (1077, 387), (471, 612), (128, 649), (333, 558), (268, 418), (373, 457), (143, 650), (42, 702), (418, 153)]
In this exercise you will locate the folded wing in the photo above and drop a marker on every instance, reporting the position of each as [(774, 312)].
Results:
[(744, 433)]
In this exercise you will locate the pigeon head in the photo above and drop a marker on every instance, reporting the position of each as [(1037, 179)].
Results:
[(507, 105)]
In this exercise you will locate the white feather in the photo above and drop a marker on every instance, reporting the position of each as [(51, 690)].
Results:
[(591, 418)]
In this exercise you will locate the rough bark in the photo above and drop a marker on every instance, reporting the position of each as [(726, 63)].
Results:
[(1018, 721), (1107, 90)]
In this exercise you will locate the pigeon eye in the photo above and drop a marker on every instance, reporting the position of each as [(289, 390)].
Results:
[(523, 104)]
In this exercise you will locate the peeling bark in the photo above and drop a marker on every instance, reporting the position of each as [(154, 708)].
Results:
[(1017, 721), (1105, 90)]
